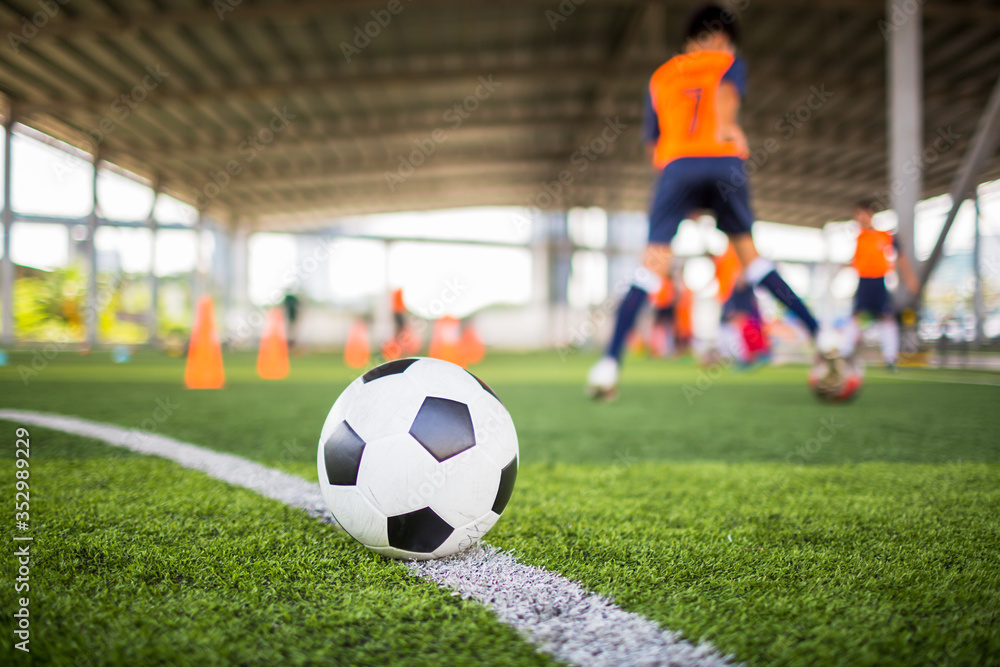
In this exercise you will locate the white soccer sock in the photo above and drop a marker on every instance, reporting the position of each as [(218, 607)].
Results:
[(647, 280), (731, 343), (852, 332), (757, 269), (890, 340)]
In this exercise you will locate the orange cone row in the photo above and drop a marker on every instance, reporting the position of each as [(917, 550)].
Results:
[(204, 368)]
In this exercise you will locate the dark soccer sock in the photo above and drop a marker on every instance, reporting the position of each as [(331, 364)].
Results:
[(627, 312), (780, 289)]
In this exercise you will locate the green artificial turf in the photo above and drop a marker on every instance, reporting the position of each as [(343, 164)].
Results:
[(735, 508), (137, 561), (871, 564)]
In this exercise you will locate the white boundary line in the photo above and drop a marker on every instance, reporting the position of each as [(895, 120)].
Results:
[(909, 378), (557, 615)]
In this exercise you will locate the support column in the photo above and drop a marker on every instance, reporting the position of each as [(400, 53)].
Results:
[(7, 268), (240, 258), (540, 276), (906, 113), (978, 307), (560, 267), (982, 146), (197, 279), (381, 326), (153, 316), (92, 310), (830, 269)]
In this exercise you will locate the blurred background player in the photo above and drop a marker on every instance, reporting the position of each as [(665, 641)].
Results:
[(872, 260), (741, 330), (699, 147), (743, 324), (683, 315), (662, 335), (398, 313), (291, 305)]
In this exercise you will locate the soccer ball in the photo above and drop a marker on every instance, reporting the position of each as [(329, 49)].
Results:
[(417, 459), (835, 379)]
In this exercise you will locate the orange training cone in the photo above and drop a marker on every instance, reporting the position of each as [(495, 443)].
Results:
[(204, 362), (356, 351), (445, 339), (471, 347), (272, 358)]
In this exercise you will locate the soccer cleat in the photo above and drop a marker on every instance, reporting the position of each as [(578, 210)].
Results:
[(602, 380)]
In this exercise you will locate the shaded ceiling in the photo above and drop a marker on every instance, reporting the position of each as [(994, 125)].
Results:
[(223, 70)]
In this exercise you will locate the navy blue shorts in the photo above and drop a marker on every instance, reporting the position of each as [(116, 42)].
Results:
[(872, 297), (741, 301), (692, 183), (664, 315)]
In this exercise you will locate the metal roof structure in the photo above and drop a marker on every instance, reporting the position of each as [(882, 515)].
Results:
[(322, 109)]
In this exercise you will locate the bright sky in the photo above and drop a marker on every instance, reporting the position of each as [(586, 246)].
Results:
[(51, 182)]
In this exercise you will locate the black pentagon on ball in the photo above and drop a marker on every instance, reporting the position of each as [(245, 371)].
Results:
[(443, 427), (342, 455), (421, 531), (388, 368), (507, 477)]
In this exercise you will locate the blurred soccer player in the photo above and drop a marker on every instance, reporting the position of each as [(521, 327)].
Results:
[(872, 262), (697, 143), (684, 316), (291, 305), (741, 330), (398, 312), (661, 336)]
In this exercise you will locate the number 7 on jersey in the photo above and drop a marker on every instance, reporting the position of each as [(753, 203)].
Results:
[(696, 94)]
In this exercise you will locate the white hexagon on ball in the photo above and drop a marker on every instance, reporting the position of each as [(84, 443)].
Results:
[(417, 459)]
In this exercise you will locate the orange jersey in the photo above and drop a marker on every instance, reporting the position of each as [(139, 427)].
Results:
[(871, 259), (727, 270), (397, 301), (683, 319), (683, 93), (665, 297)]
